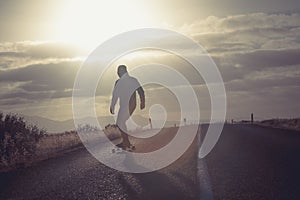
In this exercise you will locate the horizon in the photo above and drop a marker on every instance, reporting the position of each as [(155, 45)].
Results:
[(255, 47)]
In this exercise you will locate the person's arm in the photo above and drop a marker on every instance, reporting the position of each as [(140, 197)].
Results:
[(142, 97), (113, 100)]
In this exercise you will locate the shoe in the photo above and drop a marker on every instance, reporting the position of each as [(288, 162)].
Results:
[(120, 145)]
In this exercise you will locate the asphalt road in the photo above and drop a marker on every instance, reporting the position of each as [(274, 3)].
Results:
[(253, 162), (248, 162)]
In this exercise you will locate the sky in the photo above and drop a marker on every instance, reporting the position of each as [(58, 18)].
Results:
[(255, 44)]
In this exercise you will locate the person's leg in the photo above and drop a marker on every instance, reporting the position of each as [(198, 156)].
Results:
[(125, 140), (121, 123)]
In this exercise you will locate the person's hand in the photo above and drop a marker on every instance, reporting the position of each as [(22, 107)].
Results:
[(112, 110), (142, 106)]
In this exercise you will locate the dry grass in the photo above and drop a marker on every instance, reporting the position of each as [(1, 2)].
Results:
[(22, 144), (293, 124), (49, 144), (112, 131)]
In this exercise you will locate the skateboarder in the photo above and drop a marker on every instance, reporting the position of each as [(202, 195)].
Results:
[(125, 90)]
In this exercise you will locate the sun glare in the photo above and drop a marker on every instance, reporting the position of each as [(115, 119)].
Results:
[(90, 22)]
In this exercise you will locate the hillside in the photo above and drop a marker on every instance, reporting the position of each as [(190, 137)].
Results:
[(55, 126), (282, 123)]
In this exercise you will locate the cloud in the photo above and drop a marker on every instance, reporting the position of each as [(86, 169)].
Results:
[(213, 24), (241, 44), (22, 54), (37, 82), (15, 101), (259, 59), (246, 32), (52, 75), (257, 55)]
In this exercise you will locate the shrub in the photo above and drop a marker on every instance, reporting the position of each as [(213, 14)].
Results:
[(17, 140), (112, 131)]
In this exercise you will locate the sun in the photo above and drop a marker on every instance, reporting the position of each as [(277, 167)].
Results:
[(89, 22)]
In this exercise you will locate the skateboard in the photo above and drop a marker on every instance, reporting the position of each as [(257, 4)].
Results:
[(119, 149)]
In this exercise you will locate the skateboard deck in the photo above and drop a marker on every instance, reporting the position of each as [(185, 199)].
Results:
[(118, 149)]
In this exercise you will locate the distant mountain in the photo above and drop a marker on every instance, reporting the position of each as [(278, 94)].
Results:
[(293, 124), (53, 126)]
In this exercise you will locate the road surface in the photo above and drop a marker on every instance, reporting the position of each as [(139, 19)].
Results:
[(253, 162), (248, 162)]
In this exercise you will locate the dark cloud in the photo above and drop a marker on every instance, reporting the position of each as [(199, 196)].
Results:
[(237, 66), (248, 85), (42, 77), (229, 72), (25, 95), (38, 82), (16, 101), (259, 59), (12, 54)]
